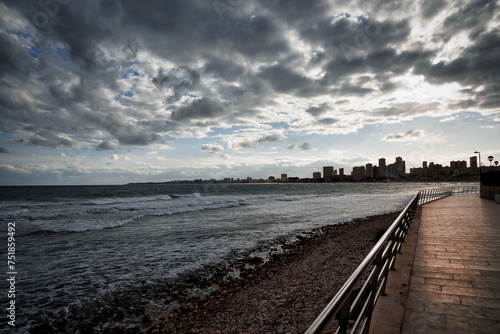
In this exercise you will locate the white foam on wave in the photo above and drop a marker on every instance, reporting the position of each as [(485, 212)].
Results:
[(330, 195), (106, 201), (193, 195), (81, 225)]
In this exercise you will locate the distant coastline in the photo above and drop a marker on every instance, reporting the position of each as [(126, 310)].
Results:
[(470, 178)]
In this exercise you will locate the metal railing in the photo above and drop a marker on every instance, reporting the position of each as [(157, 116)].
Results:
[(351, 310), (466, 189), (430, 195)]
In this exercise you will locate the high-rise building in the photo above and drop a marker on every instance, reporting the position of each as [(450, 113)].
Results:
[(284, 177), (400, 166), (358, 173), (369, 171), (328, 173), (381, 168), (424, 164), (316, 175), (473, 162), (458, 164)]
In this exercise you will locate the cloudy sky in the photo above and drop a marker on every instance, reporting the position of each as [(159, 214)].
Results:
[(107, 91)]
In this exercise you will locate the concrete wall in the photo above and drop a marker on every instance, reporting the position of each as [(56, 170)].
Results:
[(490, 184), (489, 192)]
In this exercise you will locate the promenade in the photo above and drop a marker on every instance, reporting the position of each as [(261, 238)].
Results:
[(448, 277)]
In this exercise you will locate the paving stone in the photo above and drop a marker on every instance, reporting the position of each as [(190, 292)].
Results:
[(467, 291), (493, 273), (431, 296), (425, 287), (471, 325), (486, 285), (492, 313), (417, 274), (475, 278), (454, 309), (479, 301), (449, 282)]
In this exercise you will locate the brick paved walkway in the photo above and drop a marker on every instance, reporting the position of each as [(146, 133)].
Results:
[(455, 278)]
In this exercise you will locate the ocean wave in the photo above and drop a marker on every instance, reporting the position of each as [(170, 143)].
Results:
[(193, 195), (106, 213), (289, 199), (80, 225), (107, 201), (330, 195)]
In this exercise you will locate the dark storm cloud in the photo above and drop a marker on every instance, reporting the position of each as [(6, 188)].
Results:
[(476, 66), (180, 81), (431, 8), (105, 146), (350, 39), (204, 108), (473, 16), (328, 121), (256, 37), (210, 148), (296, 10), (50, 140), (362, 46), (318, 110), (82, 29), (282, 79), (264, 139), (269, 138), (140, 139), (13, 57), (348, 89), (188, 29), (225, 69)]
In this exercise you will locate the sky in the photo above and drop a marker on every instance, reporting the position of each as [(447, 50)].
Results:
[(112, 92)]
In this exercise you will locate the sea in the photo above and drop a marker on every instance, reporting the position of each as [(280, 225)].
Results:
[(76, 244)]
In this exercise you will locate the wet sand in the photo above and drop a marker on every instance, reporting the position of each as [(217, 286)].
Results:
[(282, 295)]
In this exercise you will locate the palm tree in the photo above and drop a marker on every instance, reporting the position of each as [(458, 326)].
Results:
[(490, 158)]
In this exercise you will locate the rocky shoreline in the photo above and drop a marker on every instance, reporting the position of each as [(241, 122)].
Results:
[(279, 289)]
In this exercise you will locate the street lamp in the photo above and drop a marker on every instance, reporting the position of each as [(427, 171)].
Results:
[(479, 161), (490, 159), (496, 163)]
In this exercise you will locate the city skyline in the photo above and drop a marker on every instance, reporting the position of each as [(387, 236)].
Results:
[(385, 170), (115, 92)]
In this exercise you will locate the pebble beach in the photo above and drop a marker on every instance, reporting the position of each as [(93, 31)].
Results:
[(281, 294)]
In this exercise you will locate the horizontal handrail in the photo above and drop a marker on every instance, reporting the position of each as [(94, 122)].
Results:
[(466, 189), (346, 304), (430, 195)]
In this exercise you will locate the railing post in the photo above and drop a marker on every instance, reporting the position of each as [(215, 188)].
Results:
[(343, 315)]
